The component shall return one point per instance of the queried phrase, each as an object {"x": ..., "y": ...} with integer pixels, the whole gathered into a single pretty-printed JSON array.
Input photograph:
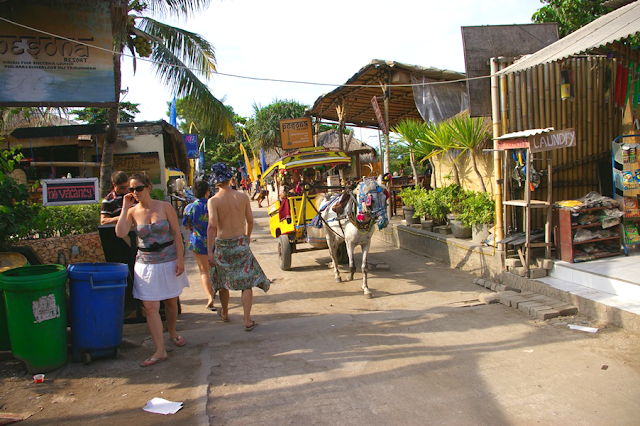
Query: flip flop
[
  {"x": 211, "y": 308},
  {"x": 252, "y": 326},
  {"x": 152, "y": 361},
  {"x": 179, "y": 341},
  {"x": 221, "y": 318}
]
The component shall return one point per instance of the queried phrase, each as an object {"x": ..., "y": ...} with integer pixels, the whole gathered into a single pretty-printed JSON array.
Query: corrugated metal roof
[
  {"x": 613, "y": 26},
  {"x": 524, "y": 134}
]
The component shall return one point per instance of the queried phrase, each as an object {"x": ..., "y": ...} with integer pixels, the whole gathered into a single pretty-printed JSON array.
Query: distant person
[
  {"x": 112, "y": 204},
  {"x": 258, "y": 188},
  {"x": 159, "y": 268},
  {"x": 233, "y": 266},
  {"x": 196, "y": 220}
]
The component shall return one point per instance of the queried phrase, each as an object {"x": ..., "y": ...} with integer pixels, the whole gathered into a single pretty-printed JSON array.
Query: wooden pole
[
  {"x": 530, "y": 108},
  {"x": 541, "y": 96},
  {"x": 534, "y": 95},
  {"x": 511, "y": 107},
  {"x": 497, "y": 170},
  {"x": 523, "y": 101},
  {"x": 589, "y": 151},
  {"x": 547, "y": 95},
  {"x": 518, "y": 103}
]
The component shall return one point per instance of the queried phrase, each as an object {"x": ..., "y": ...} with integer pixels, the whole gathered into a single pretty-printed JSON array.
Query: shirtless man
[{"x": 233, "y": 265}]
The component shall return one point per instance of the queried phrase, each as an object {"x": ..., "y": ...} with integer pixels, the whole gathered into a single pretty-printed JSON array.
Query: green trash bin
[{"x": 35, "y": 299}]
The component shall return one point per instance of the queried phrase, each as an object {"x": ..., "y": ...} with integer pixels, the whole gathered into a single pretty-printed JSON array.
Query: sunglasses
[{"x": 137, "y": 188}]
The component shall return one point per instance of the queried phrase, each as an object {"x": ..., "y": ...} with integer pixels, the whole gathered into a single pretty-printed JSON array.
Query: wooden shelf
[
  {"x": 617, "y": 237},
  {"x": 593, "y": 225},
  {"x": 532, "y": 204}
]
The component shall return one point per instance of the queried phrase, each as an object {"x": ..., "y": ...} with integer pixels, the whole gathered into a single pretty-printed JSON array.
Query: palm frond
[
  {"x": 190, "y": 48},
  {"x": 179, "y": 8},
  {"x": 183, "y": 82}
]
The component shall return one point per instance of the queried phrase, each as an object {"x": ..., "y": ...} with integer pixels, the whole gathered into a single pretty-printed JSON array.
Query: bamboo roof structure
[{"x": 355, "y": 96}]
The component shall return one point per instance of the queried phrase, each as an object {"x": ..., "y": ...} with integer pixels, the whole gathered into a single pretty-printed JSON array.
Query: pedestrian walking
[
  {"x": 196, "y": 220},
  {"x": 159, "y": 268},
  {"x": 233, "y": 265}
]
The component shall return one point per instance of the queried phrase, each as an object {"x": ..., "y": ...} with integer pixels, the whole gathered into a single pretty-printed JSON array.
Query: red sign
[
  {"x": 376, "y": 108},
  {"x": 63, "y": 192}
]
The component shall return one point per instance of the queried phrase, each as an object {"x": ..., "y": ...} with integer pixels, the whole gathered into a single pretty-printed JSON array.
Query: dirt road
[{"x": 323, "y": 354}]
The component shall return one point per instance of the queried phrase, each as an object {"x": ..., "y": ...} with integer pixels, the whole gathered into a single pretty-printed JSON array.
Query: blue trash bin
[{"x": 96, "y": 309}]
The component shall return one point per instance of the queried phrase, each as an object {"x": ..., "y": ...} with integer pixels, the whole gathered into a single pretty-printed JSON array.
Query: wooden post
[
  {"x": 511, "y": 108},
  {"x": 497, "y": 168}
]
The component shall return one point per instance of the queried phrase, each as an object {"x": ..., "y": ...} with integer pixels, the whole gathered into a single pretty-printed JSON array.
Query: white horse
[{"x": 352, "y": 218}]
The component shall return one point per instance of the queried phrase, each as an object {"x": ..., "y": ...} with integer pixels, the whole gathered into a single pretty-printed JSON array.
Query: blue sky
[{"x": 323, "y": 42}]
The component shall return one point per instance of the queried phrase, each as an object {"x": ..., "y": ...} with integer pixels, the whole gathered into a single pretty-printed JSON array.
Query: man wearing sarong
[{"x": 233, "y": 266}]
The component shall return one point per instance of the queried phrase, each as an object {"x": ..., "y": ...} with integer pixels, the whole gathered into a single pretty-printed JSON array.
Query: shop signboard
[
  {"x": 64, "y": 192},
  {"x": 376, "y": 109},
  {"x": 148, "y": 162},
  {"x": 56, "y": 54},
  {"x": 548, "y": 141},
  {"x": 296, "y": 133},
  {"x": 517, "y": 143}
]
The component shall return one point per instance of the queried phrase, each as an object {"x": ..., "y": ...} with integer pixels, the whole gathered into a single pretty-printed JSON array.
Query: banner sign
[
  {"x": 558, "y": 139},
  {"x": 64, "y": 192},
  {"x": 191, "y": 142},
  {"x": 66, "y": 69},
  {"x": 518, "y": 143},
  {"x": 296, "y": 133},
  {"x": 148, "y": 162},
  {"x": 376, "y": 109}
]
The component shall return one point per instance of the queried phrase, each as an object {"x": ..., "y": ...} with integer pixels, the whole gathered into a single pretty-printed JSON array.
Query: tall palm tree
[
  {"x": 178, "y": 56},
  {"x": 470, "y": 134}
]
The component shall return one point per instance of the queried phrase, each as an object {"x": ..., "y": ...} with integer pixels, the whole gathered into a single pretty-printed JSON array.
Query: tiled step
[{"x": 596, "y": 278}]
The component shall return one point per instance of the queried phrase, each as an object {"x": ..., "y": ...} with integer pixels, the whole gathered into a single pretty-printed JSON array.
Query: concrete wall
[{"x": 465, "y": 255}]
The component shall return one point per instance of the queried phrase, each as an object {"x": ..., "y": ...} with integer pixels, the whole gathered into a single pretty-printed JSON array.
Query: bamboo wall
[{"x": 531, "y": 100}]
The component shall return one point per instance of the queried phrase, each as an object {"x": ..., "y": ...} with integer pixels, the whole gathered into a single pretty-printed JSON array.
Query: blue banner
[{"x": 191, "y": 142}]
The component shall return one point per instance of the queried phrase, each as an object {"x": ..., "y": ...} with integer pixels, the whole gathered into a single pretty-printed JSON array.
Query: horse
[{"x": 352, "y": 218}]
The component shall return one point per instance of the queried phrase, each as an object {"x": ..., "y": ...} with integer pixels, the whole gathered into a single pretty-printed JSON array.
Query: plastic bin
[
  {"x": 96, "y": 309},
  {"x": 37, "y": 315},
  {"x": 8, "y": 260}
]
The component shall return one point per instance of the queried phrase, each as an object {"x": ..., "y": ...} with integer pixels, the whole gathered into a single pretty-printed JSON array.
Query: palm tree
[
  {"x": 470, "y": 135},
  {"x": 411, "y": 131},
  {"x": 178, "y": 56},
  {"x": 438, "y": 141}
]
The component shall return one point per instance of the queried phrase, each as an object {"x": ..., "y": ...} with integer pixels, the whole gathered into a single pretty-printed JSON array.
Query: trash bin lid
[{"x": 10, "y": 260}]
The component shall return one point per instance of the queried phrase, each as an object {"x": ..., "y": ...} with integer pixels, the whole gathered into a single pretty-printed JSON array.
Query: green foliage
[
  {"x": 66, "y": 220},
  {"x": 93, "y": 115},
  {"x": 411, "y": 195},
  {"x": 16, "y": 215},
  {"x": 439, "y": 202},
  {"x": 157, "y": 194},
  {"x": 569, "y": 14},
  {"x": 478, "y": 208},
  {"x": 264, "y": 127}
]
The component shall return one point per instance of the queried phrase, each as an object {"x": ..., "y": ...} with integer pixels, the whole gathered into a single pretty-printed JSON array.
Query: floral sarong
[{"x": 236, "y": 268}]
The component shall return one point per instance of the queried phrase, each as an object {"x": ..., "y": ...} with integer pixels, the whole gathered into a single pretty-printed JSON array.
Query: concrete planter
[
  {"x": 479, "y": 233},
  {"x": 408, "y": 215},
  {"x": 457, "y": 227}
]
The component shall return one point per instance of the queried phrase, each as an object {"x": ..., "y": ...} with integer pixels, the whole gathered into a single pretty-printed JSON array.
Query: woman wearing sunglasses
[{"x": 159, "y": 268}]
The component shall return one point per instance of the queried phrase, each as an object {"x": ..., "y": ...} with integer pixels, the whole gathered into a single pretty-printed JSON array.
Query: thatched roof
[{"x": 331, "y": 139}]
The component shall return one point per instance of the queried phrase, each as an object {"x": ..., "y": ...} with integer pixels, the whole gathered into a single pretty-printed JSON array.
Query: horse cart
[{"x": 297, "y": 179}]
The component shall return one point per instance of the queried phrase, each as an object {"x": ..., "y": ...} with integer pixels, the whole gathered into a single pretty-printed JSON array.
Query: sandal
[
  {"x": 179, "y": 341},
  {"x": 152, "y": 361},
  {"x": 221, "y": 317},
  {"x": 252, "y": 326}
]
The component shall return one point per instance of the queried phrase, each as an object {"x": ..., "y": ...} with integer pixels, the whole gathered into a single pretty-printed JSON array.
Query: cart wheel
[
  {"x": 284, "y": 250},
  {"x": 86, "y": 358},
  {"x": 342, "y": 255}
]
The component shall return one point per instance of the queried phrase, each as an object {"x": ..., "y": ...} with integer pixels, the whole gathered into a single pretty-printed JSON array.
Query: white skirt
[{"x": 157, "y": 281}]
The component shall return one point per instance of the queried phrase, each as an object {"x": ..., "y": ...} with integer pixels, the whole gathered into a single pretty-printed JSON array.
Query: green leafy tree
[
  {"x": 16, "y": 215},
  {"x": 263, "y": 127},
  {"x": 93, "y": 115},
  {"x": 179, "y": 58},
  {"x": 569, "y": 14},
  {"x": 470, "y": 135},
  {"x": 218, "y": 148}
]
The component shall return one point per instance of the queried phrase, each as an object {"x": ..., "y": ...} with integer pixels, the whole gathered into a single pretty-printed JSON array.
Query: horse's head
[{"x": 371, "y": 200}]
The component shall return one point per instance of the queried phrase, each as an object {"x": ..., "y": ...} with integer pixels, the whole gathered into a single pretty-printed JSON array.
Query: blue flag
[
  {"x": 173, "y": 119},
  {"x": 264, "y": 161}
]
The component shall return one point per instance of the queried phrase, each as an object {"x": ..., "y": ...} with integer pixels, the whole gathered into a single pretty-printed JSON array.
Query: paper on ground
[
  {"x": 583, "y": 328},
  {"x": 162, "y": 406}
]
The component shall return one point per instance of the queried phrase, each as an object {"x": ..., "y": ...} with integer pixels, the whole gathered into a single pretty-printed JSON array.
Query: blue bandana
[{"x": 220, "y": 172}]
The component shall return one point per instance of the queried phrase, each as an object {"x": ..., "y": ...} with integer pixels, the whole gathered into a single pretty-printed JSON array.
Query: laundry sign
[
  {"x": 45, "y": 309},
  {"x": 548, "y": 141}
]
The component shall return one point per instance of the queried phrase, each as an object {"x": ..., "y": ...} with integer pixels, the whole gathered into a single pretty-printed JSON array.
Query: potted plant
[
  {"x": 478, "y": 212},
  {"x": 453, "y": 197},
  {"x": 410, "y": 197},
  {"x": 432, "y": 206}
]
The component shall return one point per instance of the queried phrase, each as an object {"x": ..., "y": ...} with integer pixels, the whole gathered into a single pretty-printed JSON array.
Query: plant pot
[
  {"x": 408, "y": 215},
  {"x": 479, "y": 233},
  {"x": 457, "y": 227}
]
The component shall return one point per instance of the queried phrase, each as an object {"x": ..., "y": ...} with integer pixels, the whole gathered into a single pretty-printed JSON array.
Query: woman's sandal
[
  {"x": 152, "y": 361},
  {"x": 179, "y": 341}
]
